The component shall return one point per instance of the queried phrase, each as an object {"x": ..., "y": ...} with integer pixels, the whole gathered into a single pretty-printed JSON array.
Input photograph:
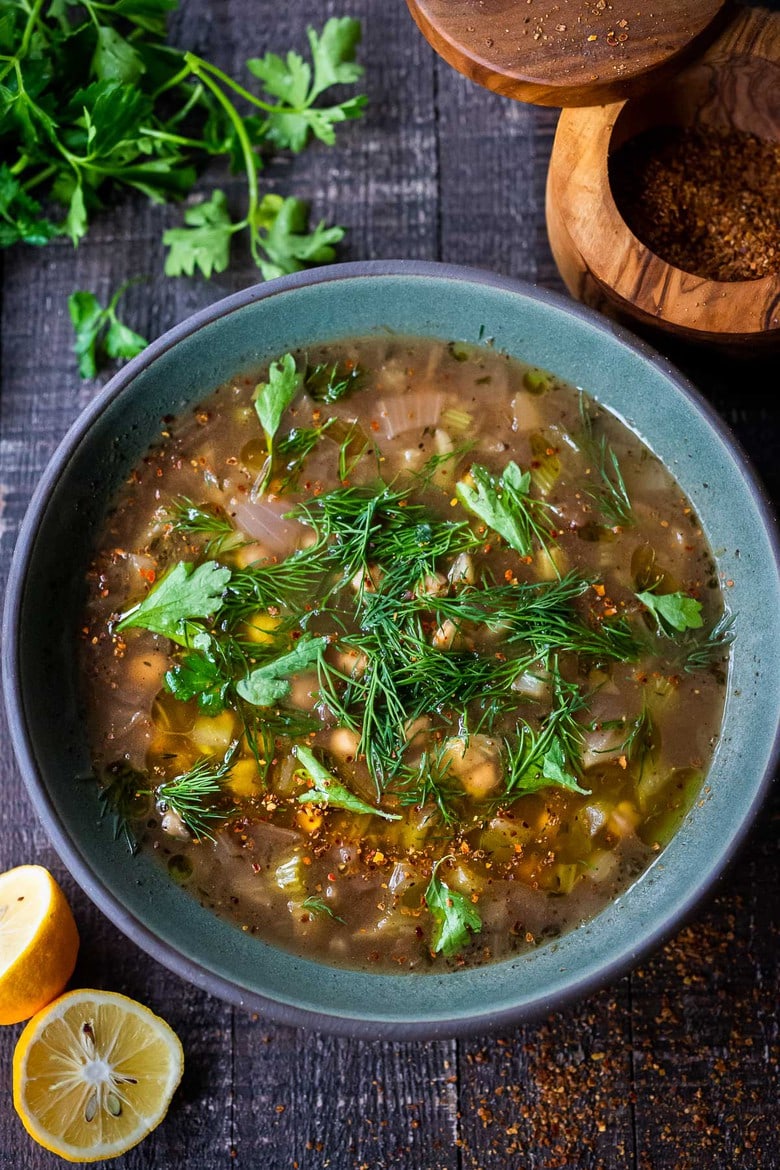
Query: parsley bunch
[{"x": 93, "y": 100}]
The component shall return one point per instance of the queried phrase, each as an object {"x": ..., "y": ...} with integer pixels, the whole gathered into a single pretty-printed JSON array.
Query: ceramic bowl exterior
[{"x": 239, "y": 334}]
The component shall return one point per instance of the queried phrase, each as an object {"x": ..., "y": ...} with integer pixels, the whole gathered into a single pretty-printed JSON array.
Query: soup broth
[{"x": 402, "y": 654}]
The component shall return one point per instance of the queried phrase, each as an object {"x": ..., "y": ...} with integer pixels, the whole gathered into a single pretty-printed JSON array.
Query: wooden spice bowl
[{"x": 733, "y": 86}]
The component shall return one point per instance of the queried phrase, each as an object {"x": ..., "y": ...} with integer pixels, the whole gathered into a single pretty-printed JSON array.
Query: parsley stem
[
  {"x": 172, "y": 82},
  {"x": 177, "y": 139},
  {"x": 246, "y": 148},
  {"x": 41, "y": 177},
  {"x": 198, "y": 65},
  {"x": 32, "y": 20}
]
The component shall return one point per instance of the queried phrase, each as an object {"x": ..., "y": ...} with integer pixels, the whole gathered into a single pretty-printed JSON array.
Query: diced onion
[
  {"x": 266, "y": 522},
  {"x": 411, "y": 412}
]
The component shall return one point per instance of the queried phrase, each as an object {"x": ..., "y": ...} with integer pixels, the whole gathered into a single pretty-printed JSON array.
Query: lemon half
[
  {"x": 38, "y": 942},
  {"x": 94, "y": 1073}
]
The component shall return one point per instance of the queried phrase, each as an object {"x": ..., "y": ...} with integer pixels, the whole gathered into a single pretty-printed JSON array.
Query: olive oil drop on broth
[{"x": 411, "y": 657}]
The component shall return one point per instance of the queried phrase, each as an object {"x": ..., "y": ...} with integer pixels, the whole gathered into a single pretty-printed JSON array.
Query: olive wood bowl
[{"x": 735, "y": 85}]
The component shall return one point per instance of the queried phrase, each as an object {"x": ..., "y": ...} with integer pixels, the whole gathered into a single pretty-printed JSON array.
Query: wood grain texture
[
  {"x": 673, "y": 1068},
  {"x": 567, "y": 52},
  {"x": 735, "y": 85}
]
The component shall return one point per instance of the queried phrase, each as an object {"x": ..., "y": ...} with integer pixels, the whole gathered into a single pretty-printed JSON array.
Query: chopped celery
[
  {"x": 457, "y": 420},
  {"x": 538, "y": 381},
  {"x": 545, "y": 464}
]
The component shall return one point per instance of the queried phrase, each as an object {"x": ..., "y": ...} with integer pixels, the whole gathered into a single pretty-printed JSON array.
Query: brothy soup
[{"x": 405, "y": 654}]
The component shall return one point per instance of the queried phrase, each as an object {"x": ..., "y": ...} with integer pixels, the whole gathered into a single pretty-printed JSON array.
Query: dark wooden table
[{"x": 672, "y": 1068}]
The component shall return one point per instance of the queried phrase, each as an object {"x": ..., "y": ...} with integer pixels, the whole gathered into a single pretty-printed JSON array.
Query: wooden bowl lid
[{"x": 567, "y": 52}]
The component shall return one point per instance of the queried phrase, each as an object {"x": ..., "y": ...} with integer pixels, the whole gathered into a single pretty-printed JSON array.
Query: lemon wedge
[
  {"x": 38, "y": 942},
  {"x": 94, "y": 1073}
]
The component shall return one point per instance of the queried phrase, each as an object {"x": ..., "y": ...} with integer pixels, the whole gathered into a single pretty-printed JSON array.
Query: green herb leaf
[
  {"x": 455, "y": 916},
  {"x": 291, "y": 80},
  {"x": 506, "y": 506},
  {"x": 100, "y": 331},
  {"x": 673, "y": 611},
  {"x": 317, "y": 905},
  {"x": 184, "y": 592},
  {"x": 205, "y": 243},
  {"x": 200, "y": 676},
  {"x": 330, "y": 383},
  {"x": 115, "y": 59},
  {"x": 191, "y": 795},
  {"x": 328, "y": 790},
  {"x": 87, "y": 316},
  {"x": 281, "y": 229},
  {"x": 270, "y": 683},
  {"x": 272, "y": 398},
  {"x": 20, "y": 215}
]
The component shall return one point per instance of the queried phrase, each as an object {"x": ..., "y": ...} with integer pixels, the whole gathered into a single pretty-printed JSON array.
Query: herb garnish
[
  {"x": 266, "y": 685},
  {"x": 327, "y": 789},
  {"x": 454, "y": 916},
  {"x": 673, "y": 612},
  {"x": 184, "y": 592},
  {"x": 99, "y": 330},
  {"x": 271, "y": 399},
  {"x": 506, "y": 506},
  {"x": 317, "y": 905},
  {"x": 190, "y": 794},
  {"x": 93, "y": 98}
]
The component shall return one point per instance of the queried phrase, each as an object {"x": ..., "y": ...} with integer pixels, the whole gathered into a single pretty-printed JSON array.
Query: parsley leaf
[
  {"x": 115, "y": 59},
  {"x": 673, "y": 611},
  {"x": 94, "y": 99},
  {"x": 204, "y": 243},
  {"x": 200, "y": 676},
  {"x": 268, "y": 684},
  {"x": 298, "y": 86},
  {"x": 454, "y": 916},
  {"x": 281, "y": 229},
  {"x": 505, "y": 505},
  {"x": 20, "y": 215},
  {"x": 548, "y": 770},
  {"x": 184, "y": 592},
  {"x": 272, "y": 398},
  {"x": 328, "y": 790},
  {"x": 100, "y": 331}
]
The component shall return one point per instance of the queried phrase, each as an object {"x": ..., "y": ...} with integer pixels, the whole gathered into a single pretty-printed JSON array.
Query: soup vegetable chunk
[{"x": 403, "y": 654}]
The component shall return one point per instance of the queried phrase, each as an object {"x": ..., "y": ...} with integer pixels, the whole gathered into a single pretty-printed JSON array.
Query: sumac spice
[{"x": 705, "y": 200}]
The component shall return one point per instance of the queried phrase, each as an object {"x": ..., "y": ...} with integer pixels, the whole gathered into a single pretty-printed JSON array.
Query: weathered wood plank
[{"x": 688, "y": 1077}]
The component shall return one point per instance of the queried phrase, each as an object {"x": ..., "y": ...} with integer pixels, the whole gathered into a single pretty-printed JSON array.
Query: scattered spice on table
[{"x": 705, "y": 200}]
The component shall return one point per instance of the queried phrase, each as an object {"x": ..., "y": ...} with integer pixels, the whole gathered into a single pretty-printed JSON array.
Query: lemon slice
[
  {"x": 94, "y": 1073},
  {"x": 38, "y": 942}
]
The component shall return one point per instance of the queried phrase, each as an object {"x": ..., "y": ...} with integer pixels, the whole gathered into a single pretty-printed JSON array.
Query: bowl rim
[{"x": 78, "y": 864}]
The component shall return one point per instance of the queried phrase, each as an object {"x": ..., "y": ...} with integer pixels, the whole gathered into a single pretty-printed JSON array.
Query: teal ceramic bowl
[{"x": 239, "y": 334}]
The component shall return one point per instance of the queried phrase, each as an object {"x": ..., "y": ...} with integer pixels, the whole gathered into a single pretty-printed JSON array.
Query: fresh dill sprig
[
  {"x": 204, "y": 520},
  {"x": 431, "y": 781},
  {"x": 316, "y": 905},
  {"x": 698, "y": 653},
  {"x": 551, "y": 754},
  {"x": 281, "y": 585},
  {"x": 121, "y": 788},
  {"x": 435, "y": 462},
  {"x": 190, "y": 795},
  {"x": 294, "y": 449},
  {"x": 612, "y": 496},
  {"x": 330, "y": 383},
  {"x": 354, "y": 445}
]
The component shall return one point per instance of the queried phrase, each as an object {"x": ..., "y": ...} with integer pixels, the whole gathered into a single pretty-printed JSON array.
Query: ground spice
[{"x": 704, "y": 200}]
